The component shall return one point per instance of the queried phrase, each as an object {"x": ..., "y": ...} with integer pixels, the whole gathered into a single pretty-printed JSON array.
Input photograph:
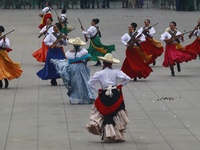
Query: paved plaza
[{"x": 164, "y": 111}]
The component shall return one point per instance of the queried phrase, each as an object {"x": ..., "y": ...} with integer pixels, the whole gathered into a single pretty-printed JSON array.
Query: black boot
[
  {"x": 135, "y": 79},
  {"x": 98, "y": 63},
  {"x": 53, "y": 82},
  {"x": 154, "y": 63},
  {"x": 178, "y": 67},
  {"x": 1, "y": 84},
  {"x": 172, "y": 71},
  {"x": 6, "y": 83}
]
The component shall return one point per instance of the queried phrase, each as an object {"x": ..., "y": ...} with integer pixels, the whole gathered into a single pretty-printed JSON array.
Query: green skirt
[
  {"x": 96, "y": 48},
  {"x": 64, "y": 29}
]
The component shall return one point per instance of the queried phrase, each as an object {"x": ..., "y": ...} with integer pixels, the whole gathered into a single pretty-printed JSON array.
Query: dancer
[
  {"x": 135, "y": 64},
  {"x": 40, "y": 54},
  {"x": 195, "y": 45},
  {"x": 96, "y": 48},
  {"x": 151, "y": 46},
  {"x": 46, "y": 14},
  {"x": 8, "y": 69},
  {"x": 175, "y": 53},
  {"x": 55, "y": 51},
  {"x": 75, "y": 74},
  {"x": 63, "y": 20},
  {"x": 109, "y": 116}
]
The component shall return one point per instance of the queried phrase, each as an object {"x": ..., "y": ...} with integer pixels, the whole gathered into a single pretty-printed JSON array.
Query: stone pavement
[{"x": 36, "y": 116}]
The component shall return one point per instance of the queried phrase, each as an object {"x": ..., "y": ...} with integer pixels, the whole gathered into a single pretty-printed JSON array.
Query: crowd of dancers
[{"x": 108, "y": 116}]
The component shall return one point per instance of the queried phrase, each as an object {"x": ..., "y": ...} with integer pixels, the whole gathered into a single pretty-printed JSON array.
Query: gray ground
[{"x": 37, "y": 116}]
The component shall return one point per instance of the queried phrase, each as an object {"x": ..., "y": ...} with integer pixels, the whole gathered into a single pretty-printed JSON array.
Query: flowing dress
[
  {"x": 40, "y": 54},
  {"x": 135, "y": 63},
  {"x": 108, "y": 117},
  {"x": 49, "y": 70},
  {"x": 175, "y": 52},
  {"x": 75, "y": 75},
  {"x": 195, "y": 45},
  {"x": 96, "y": 48},
  {"x": 8, "y": 69},
  {"x": 151, "y": 46},
  {"x": 44, "y": 20}
]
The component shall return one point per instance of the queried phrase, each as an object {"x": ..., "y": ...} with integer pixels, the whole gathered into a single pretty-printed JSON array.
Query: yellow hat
[
  {"x": 76, "y": 41},
  {"x": 109, "y": 59}
]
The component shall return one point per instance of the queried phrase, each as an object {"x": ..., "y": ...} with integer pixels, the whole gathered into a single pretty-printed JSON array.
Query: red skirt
[
  {"x": 134, "y": 64},
  {"x": 152, "y": 47},
  {"x": 44, "y": 20},
  {"x": 40, "y": 54},
  {"x": 194, "y": 46},
  {"x": 175, "y": 53}
]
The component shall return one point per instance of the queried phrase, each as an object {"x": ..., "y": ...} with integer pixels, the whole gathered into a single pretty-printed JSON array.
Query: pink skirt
[{"x": 175, "y": 53}]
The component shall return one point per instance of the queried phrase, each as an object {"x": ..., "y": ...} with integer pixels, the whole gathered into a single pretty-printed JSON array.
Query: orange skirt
[
  {"x": 8, "y": 69},
  {"x": 40, "y": 54}
]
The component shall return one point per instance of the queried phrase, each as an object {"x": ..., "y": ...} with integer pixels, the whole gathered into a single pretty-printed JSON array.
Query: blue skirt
[
  {"x": 49, "y": 71},
  {"x": 75, "y": 78}
]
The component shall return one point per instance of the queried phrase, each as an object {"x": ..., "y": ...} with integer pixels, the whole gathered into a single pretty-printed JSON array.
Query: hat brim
[
  {"x": 115, "y": 61},
  {"x": 71, "y": 41}
]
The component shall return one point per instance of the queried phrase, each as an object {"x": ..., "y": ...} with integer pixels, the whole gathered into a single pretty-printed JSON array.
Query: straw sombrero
[
  {"x": 76, "y": 41},
  {"x": 109, "y": 59}
]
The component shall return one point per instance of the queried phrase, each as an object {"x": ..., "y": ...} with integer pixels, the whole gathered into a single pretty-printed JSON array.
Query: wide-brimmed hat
[
  {"x": 76, "y": 41},
  {"x": 109, "y": 58}
]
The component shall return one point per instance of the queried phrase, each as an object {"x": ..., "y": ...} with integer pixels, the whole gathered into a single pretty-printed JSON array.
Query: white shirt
[
  {"x": 50, "y": 38},
  {"x": 151, "y": 31},
  {"x": 71, "y": 55},
  {"x": 92, "y": 31},
  {"x": 63, "y": 17},
  {"x": 126, "y": 38},
  {"x": 50, "y": 30},
  {"x": 196, "y": 32},
  {"x": 5, "y": 44},
  {"x": 166, "y": 36},
  {"x": 108, "y": 77}
]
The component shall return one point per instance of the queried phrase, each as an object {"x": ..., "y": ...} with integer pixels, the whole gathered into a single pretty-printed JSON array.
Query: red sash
[{"x": 105, "y": 110}]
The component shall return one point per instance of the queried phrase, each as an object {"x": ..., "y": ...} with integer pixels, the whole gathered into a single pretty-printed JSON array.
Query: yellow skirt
[{"x": 8, "y": 69}]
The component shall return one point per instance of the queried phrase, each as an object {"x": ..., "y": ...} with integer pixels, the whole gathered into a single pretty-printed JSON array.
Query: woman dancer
[
  {"x": 195, "y": 45},
  {"x": 96, "y": 48},
  {"x": 40, "y": 54},
  {"x": 46, "y": 14},
  {"x": 135, "y": 64},
  {"x": 109, "y": 116},
  {"x": 175, "y": 53},
  {"x": 55, "y": 51},
  {"x": 8, "y": 69},
  {"x": 75, "y": 74},
  {"x": 150, "y": 46}
]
